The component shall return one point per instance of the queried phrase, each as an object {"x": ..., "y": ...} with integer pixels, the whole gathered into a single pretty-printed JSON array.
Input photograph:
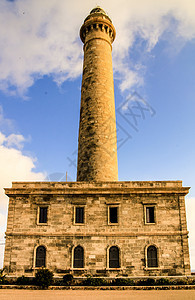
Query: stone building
[{"x": 97, "y": 225}]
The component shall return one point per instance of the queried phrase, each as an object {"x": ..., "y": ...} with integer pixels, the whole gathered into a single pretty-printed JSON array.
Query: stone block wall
[{"x": 131, "y": 234}]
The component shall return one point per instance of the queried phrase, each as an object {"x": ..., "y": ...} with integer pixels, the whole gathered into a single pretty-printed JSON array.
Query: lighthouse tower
[{"x": 97, "y": 150}]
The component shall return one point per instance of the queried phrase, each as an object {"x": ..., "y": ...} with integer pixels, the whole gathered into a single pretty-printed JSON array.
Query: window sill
[
  {"x": 77, "y": 269},
  {"x": 149, "y": 223},
  {"x": 149, "y": 203},
  {"x": 79, "y": 224},
  {"x": 152, "y": 268},
  {"x": 114, "y": 224},
  {"x": 113, "y": 269},
  {"x": 42, "y": 224}
]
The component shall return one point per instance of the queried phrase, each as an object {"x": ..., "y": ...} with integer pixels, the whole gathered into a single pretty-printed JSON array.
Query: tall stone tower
[{"x": 97, "y": 150}]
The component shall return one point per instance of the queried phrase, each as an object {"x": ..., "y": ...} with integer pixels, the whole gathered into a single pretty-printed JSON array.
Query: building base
[{"x": 104, "y": 229}]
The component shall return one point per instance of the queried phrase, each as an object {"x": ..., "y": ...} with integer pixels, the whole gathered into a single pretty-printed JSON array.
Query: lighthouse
[{"x": 97, "y": 150}]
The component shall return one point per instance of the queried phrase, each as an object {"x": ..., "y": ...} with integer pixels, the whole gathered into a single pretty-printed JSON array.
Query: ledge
[
  {"x": 92, "y": 234},
  {"x": 153, "y": 268},
  {"x": 165, "y": 287},
  {"x": 83, "y": 188},
  {"x": 169, "y": 183}
]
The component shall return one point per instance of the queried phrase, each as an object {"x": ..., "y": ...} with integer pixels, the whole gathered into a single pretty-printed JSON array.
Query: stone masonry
[
  {"x": 97, "y": 151},
  {"x": 132, "y": 235},
  {"x": 97, "y": 225}
]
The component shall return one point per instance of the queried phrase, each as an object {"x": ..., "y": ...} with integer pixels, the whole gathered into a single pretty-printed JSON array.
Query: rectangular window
[
  {"x": 113, "y": 214},
  {"x": 149, "y": 214},
  {"x": 79, "y": 215},
  {"x": 43, "y": 214}
]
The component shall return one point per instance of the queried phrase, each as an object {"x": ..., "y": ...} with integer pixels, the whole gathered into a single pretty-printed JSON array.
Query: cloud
[
  {"x": 41, "y": 37},
  {"x": 149, "y": 21},
  {"x": 15, "y": 166},
  {"x": 13, "y": 140}
]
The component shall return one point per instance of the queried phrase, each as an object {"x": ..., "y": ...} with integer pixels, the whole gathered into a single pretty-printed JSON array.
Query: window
[
  {"x": 113, "y": 214},
  {"x": 79, "y": 215},
  {"x": 40, "y": 257},
  {"x": 43, "y": 215},
  {"x": 149, "y": 214},
  {"x": 152, "y": 257},
  {"x": 114, "y": 257},
  {"x": 78, "y": 257}
]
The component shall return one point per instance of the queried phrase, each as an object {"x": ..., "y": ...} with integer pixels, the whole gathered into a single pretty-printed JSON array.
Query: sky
[{"x": 40, "y": 83}]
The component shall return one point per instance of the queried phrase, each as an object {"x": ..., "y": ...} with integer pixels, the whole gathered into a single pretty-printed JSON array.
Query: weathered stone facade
[
  {"x": 97, "y": 225},
  {"x": 132, "y": 235}
]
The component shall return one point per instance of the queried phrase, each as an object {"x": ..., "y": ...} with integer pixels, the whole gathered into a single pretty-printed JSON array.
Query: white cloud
[
  {"x": 15, "y": 166},
  {"x": 2, "y": 138},
  {"x": 37, "y": 41},
  {"x": 150, "y": 20},
  {"x": 41, "y": 37},
  {"x": 12, "y": 140},
  {"x": 15, "y": 140}
]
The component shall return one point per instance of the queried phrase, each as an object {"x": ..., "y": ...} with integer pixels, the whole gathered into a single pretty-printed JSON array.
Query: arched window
[
  {"x": 78, "y": 257},
  {"x": 40, "y": 257},
  {"x": 114, "y": 257},
  {"x": 152, "y": 260}
]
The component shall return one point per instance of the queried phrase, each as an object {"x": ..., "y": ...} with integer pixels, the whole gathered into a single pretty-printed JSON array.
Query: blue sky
[{"x": 40, "y": 81}]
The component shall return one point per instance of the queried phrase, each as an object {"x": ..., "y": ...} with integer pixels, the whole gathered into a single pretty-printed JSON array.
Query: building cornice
[{"x": 99, "y": 188}]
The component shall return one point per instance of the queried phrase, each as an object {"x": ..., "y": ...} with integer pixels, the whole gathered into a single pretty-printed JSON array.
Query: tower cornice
[{"x": 97, "y": 23}]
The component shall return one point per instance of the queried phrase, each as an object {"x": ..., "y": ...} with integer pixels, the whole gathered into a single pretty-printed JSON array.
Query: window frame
[
  {"x": 35, "y": 257},
  {"x": 113, "y": 206},
  {"x": 38, "y": 214},
  {"x": 157, "y": 258},
  {"x": 145, "y": 214},
  {"x": 74, "y": 212},
  {"x": 73, "y": 258},
  {"x": 108, "y": 258}
]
